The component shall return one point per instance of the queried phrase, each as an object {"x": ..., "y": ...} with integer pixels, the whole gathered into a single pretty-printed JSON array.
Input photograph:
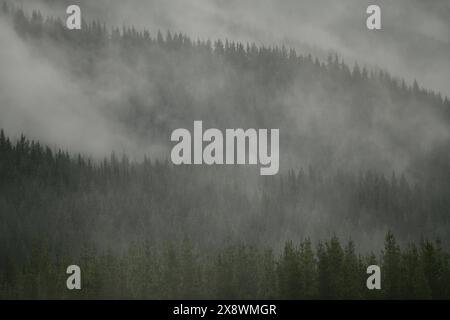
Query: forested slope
[{"x": 361, "y": 153}]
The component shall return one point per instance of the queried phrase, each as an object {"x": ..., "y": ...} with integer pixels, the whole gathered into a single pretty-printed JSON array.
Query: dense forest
[
  {"x": 364, "y": 156},
  {"x": 177, "y": 271},
  {"x": 135, "y": 237}
]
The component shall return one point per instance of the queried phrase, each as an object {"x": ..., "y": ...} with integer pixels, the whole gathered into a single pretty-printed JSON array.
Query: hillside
[{"x": 86, "y": 118}]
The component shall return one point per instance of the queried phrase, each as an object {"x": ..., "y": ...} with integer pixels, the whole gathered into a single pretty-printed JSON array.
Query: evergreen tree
[{"x": 391, "y": 268}]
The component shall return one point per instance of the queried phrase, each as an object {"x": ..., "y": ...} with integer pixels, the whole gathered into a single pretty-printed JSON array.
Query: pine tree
[
  {"x": 289, "y": 273},
  {"x": 413, "y": 282},
  {"x": 307, "y": 271},
  {"x": 330, "y": 269},
  {"x": 267, "y": 287},
  {"x": 391, "y": 268},
  {"x": 352, "y": 279},
  {"x": 436, "y": 269}
]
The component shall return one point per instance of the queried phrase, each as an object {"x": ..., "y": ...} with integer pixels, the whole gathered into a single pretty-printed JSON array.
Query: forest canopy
[{"x": 84, "y": 170}]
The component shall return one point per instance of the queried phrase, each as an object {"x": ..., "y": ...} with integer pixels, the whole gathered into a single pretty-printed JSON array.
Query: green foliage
[
  {"x": 179, "y": 271},
  {"x": 392, "y": 267}
]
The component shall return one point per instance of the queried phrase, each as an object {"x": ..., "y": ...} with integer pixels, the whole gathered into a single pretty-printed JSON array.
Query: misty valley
[{"x": 345, "y": 166}]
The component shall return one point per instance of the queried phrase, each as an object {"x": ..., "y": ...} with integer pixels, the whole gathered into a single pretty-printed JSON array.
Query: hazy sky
[{"x": 413, "y": 42}]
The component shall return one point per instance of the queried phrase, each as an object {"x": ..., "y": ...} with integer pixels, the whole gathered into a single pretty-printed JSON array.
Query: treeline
[
  {"x": 179, "y": 271},
  {"x": 332, "y": 115},
  {"x": 275, "y": 65},
  {"x": 70, "y": 197}
]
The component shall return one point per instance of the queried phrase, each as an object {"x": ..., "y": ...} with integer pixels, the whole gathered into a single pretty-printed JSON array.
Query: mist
[
  {"x": 109, "y": 109},
  {"x": 126, "y": 94},
  {"x": 413, "y": 42},
  {"x": 41, "y": 97}
]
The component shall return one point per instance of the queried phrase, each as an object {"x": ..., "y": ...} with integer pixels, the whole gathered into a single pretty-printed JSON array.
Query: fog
[
  {"x": 413, "y": 42},
  {"x": 41, "y": 96},
  {"x": 129, "y": 97},
  {"x": 41, "y": 99}
]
